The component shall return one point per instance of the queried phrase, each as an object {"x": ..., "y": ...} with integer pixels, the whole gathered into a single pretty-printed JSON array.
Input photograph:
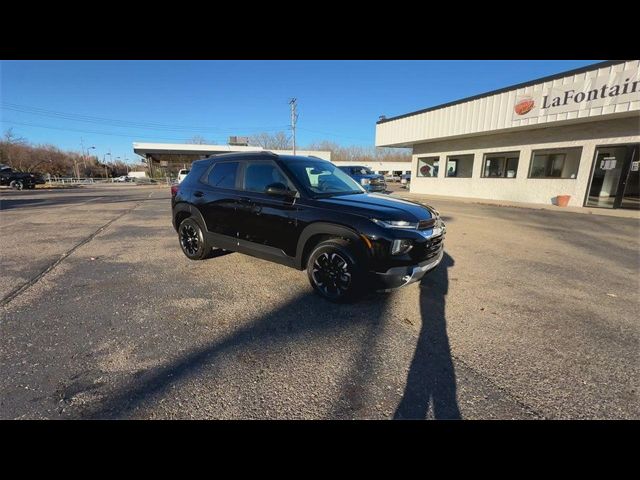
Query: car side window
[
  {"x": 259, "y": 175},
  {"x": 223, "y": 175}
]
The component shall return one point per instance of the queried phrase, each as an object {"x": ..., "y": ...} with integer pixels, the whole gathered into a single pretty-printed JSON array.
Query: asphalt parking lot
[{"x": 533, "y": 314}]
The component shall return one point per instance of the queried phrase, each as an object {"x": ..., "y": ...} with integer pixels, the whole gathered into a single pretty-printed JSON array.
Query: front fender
[{"x": 323, "y": 228}]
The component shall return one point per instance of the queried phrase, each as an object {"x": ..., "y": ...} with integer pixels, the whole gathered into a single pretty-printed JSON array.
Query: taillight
[{"x": 174, "y": 190}]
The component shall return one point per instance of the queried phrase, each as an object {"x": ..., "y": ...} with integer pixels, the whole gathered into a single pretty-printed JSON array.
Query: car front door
[
  {"x": 216, "y": 196},
  {"x": 267, "y": 222}
]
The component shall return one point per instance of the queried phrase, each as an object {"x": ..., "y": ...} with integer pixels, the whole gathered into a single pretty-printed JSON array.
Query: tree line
[
  {"x": 22, "y": 156},
  {"x": 353, "y": 153}
]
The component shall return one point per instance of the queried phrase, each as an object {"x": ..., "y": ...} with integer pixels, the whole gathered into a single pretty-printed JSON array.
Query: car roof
[{"x": 261, "y": 155}]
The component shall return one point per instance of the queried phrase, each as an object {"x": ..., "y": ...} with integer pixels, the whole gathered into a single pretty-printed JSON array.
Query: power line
[
  {"x": 86, "y": 131},
  {"x": 125, "y": 123}
]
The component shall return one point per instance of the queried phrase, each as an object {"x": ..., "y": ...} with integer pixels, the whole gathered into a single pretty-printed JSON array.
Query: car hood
[{"x": 379, "y": 206}]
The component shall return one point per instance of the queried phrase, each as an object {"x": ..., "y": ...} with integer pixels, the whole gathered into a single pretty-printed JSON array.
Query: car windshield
[
  {"x": 362, "y": 171},
  {"x": 323, "y": 179}
]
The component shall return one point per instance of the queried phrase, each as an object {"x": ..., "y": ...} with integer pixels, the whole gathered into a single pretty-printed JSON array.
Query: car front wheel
[
  {"x": 334, "y": 271},
  {"x": 16, "y": 184}
]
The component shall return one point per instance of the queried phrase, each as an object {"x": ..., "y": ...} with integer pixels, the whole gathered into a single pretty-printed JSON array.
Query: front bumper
[
  {"x": 376, "y": 188},
  {"x": 397, "y": 277}
]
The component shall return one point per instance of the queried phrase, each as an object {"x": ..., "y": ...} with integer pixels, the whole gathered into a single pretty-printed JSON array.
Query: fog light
[{"x": 398, "y": 247}]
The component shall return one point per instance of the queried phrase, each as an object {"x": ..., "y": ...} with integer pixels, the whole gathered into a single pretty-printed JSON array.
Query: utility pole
[{"x": 294, "y": 119}]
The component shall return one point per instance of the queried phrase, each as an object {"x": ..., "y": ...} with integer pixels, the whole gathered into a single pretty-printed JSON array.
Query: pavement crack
[
  {"x": 26, "y": 285},
  {"x": 502, "y": 390}
]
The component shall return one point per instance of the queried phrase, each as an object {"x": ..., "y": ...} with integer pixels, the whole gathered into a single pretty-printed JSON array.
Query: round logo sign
[{"x": 524, "y": 105}]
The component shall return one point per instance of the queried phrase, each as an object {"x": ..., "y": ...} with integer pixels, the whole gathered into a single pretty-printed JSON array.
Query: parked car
[
  {"x": 19, "y": 180},
  {"x": 123, "y": 178},
  {"x": 182, "y": 174},
  {"x": 371, "y": 182},
  {"x": 305, "y": 213}
]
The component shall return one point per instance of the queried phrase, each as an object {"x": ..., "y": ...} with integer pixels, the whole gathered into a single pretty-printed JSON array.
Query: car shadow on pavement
[{"x": 431, "y": 381}]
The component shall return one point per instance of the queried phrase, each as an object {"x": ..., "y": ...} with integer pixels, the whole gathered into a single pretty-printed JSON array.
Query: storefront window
[
  {"x": 501, "y": 165},
  {"x": 556, "y": 163},
  {"x": 460, "y": 166},
  {"x": 428, "y": 166}
]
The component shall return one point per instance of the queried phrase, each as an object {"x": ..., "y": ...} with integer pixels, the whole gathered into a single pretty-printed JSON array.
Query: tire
[
  {"x": 16, "y": 184},
  {"x": 192, "y": 240},
  {"x": 335, "y": 271}
]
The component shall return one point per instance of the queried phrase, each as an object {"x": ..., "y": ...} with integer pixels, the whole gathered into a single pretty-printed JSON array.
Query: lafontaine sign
[{"x": 619, "y": 87}]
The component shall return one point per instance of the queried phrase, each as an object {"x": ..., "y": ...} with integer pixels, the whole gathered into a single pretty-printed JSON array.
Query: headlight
[
  {"x": 395, "y": 224},
  {"x": 365, "y": 181},
  {"x": 398, "y": 247}
]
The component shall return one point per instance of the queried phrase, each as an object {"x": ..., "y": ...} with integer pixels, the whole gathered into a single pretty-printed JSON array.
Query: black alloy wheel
[
  {"x": 192, "y": 240},
  {"x": 334, "y": 271}
]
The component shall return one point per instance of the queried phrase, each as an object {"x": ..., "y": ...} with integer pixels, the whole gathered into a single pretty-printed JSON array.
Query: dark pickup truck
[{"x": 19, "y": 180}]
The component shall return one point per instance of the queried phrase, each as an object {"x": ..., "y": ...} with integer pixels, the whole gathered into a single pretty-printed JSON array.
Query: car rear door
[{"x": 217, "y": 196}]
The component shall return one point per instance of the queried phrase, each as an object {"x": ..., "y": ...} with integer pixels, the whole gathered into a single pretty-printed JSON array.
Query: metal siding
[{"x": 490, "y": 113}]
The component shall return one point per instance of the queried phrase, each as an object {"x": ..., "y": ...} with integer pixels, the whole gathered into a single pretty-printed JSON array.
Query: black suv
[
  {"x": 304, "y": 212},
  {"x": 19, "y": 180}
]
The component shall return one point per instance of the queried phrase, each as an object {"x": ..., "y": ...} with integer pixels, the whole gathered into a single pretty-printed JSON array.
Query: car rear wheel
[
  {"x": 193, "y": 241},
  {"x": 16, "y": 184},
  {"x": 335, "y": 272}
]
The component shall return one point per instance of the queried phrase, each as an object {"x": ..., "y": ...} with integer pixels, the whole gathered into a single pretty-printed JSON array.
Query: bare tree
[
  {"x": 12, "y": 138},
  {"x": 277, "y": 141},
  {"x": 197, "y": 140},
  {"x": 356, "y": 153}
]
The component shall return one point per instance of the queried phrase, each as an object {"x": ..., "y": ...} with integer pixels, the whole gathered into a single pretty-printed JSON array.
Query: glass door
[
  {"x": 631, "y": 188},
  {"x": 611, "y": 176}
]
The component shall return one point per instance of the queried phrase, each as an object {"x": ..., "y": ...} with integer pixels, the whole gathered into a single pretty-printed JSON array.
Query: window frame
[
  {"x": 550, "y": 151},
  {"x": 245, "y": 165},
  {"x": 456, "y": 158},
  {"x": 506, "y": 155},
  {"x": 427, "y": 158}
]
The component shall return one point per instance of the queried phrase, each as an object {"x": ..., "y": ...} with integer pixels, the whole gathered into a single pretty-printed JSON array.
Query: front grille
[
  {"x": 426, "y": 250},
  {"x": 425, "y": 224}
]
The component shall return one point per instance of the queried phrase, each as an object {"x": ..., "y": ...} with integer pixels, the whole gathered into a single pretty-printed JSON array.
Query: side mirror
[{"x": 280, "y": 190}]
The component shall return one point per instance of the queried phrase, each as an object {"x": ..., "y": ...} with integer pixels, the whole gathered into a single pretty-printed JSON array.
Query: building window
[
  {"x": 460, "y": 166},
  {"x": 555, "y": 163},
  {"x": 501, "y": 165},
  {"x": 428, "y": 166}
]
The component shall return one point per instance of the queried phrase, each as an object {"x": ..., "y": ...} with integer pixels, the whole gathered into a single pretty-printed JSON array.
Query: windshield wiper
[{"x": 333, "y": 194}]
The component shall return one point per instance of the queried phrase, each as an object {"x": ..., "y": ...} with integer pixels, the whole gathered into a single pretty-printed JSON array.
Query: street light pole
[
  {"x": 84, "y": 159},
  {"x": 106, "y": 173},
  {"x": 294, "y": 119}
]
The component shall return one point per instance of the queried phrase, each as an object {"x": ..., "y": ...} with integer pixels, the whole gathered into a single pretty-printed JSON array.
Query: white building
[
  {"x": 180, "y": 155},
  {"x": 384, "y": 168},
  {"x": 576, "y": 133}
]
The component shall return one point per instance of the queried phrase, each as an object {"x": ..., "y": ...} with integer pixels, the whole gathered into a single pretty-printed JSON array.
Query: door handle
[{"x": 198, "y": 194}]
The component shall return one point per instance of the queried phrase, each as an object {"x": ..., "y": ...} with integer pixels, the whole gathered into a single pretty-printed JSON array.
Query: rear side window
[
  {"x": 223, "y": 175},
  {"x": 258, "y": 176},
  {"x": 196, "y": 171}
]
